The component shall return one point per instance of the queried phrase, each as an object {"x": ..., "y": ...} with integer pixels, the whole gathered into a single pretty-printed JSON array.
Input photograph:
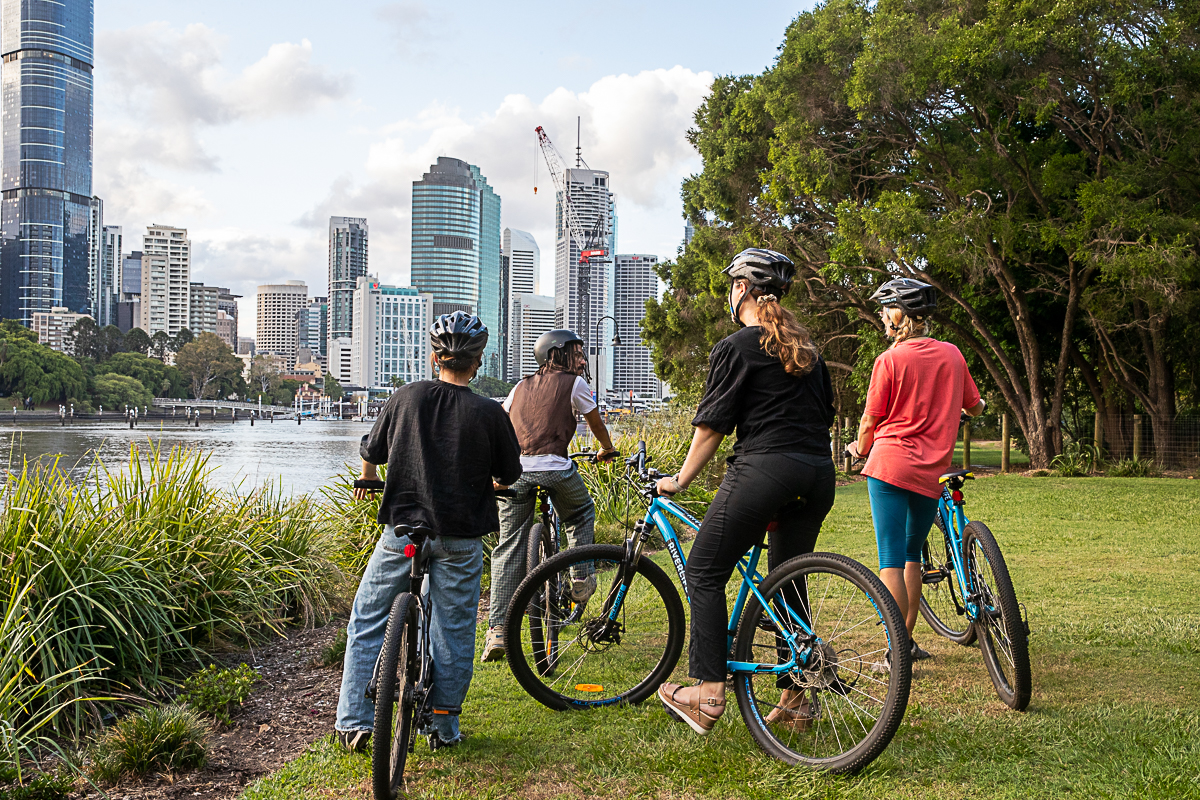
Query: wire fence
[{"x": 1171, "y": 442}]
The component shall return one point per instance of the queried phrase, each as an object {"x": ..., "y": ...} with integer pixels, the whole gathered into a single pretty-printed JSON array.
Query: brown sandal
[
  {"x": 696, "y": 713},
  {"x": 793, "y": 712}
]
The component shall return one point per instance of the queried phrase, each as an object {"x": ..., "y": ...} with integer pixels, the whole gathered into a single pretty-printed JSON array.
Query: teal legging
[{"x": 902, "y": 521}]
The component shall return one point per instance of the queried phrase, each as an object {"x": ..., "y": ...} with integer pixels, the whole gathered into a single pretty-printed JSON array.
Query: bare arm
[
  {"x": 368, "y": 473},
  {"x": 977, "y": 409},
  {"x": 866, "y": 436},
  {"x": 600, "y": 431},
  {"x": 705, "y": 442}
]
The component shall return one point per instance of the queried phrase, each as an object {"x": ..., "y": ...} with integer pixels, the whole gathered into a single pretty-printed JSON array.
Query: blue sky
[{"x": 250, "y": 123}]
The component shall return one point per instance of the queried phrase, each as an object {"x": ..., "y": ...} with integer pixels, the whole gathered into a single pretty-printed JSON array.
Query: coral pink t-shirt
[{"x": 918, "y": 388}]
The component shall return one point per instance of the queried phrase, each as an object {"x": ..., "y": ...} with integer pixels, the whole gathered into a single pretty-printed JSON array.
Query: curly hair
[{"x": 783, "y": 336}]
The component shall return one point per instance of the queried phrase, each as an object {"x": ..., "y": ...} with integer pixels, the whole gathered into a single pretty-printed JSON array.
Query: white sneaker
[
  {"x": 583, "y": 589},
  {"x": 493, "y": 645}
]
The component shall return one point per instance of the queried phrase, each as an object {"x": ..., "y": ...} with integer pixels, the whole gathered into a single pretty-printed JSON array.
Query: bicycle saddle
[
  {"x": 414, "y": 532},
  {"x": 958, "y": 473}
]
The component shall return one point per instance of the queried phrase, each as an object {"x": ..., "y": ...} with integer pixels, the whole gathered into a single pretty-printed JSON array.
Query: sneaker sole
[{"x": 495, "y": 654}]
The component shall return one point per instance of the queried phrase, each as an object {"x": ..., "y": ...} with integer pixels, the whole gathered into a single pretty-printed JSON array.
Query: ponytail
[{"x": 783, "y": 336}]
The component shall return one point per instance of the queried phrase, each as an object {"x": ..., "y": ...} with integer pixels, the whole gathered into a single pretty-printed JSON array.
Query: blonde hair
[
  {"x": 783, "y": 336},
  {"x": 909, "y": 327}
]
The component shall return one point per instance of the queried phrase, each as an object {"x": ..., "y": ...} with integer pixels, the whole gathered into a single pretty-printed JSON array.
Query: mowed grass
[{"x": 1109, "y": 570}]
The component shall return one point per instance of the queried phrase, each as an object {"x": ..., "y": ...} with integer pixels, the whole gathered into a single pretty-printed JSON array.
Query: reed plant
[{"x": 115, "y": 582}]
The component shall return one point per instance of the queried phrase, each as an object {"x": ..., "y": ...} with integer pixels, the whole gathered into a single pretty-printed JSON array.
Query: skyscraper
[
  {"x": 166, "y": 280},
  {"x": 202, "y": 308},
  {"x": 347, "y": 263},
  {"x": 634, "y": 282},
  {"x": 532, "y": 315},
  {"x": 595, "y": 206},
  {"x": 46, "y": 164},
  {"x": 277, "y": 305},
  {"x": 95, "y": 258},
  {"x": 456, "y": 247},
  {"x": 111, "y": 258},
  {"x": 391, "y": 339},
  {"x": 524, "y": 264}
]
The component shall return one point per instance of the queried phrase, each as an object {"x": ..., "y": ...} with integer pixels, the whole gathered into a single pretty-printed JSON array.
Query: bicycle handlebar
[{"x": 370, "y": 486}]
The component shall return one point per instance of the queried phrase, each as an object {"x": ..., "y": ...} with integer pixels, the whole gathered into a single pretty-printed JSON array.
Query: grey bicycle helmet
[
  {"x": 765, "y": 269},
  {"x": 552, "y": 340},
  {"x": 911, "y": 296},
  {"x": 457, "y": 335}
]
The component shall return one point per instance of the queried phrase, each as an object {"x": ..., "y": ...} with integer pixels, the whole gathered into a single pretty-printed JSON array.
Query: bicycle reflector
[
  {"x": 956, "y": 494},
  {"x": 410, "y": 550},
  {"x": 589, "y": 687}
]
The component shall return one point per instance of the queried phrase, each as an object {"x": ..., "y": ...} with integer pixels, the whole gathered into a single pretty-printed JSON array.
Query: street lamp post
[{"x": 616, "y": 342}]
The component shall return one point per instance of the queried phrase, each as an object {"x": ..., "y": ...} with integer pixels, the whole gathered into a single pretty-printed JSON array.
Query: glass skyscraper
[
  {"x": 347, "y": 263},
  {"x": 456, "y": 248},
  {"x": 46, "y": 130}
]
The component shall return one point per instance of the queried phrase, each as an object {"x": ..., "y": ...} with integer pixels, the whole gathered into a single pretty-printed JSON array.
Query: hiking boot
[
  {"x": 355, "y": 741},
  {"x": 493, "y": 645},
  {"x": 700, "y": 714},
  {"x": 919, "y": 653},
  {"x": 583, "y": 589}
]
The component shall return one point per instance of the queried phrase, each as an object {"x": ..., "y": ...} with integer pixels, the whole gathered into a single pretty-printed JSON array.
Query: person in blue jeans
[{"x": 444, "y": 446}]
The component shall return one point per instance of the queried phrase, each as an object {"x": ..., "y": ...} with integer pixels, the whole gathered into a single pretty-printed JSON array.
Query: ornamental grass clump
[
  {"x": 124, "y": 576},
  {"x": 155, "y": 739}
]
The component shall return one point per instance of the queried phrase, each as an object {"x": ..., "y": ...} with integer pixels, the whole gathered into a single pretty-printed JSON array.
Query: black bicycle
[{"x": 401, "y": 685}]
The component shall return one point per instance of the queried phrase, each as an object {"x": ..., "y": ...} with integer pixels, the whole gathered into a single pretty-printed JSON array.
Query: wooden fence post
[
  {"x": 1098, "y": 433},
  {"x": 966, "y": 437},
  {"x": 837, "y": 440},
  {"x": 1137, "y": 436},
  {"x": 846, "y": 460},
  {"x": 1005, "y": 442}
]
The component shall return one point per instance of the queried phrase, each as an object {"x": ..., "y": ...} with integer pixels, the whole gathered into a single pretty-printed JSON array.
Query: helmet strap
[{"x": 735, "y": 311}]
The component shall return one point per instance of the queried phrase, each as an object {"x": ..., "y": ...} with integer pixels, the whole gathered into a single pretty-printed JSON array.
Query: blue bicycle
[
  {"x": 819, "y": 654},
  {"x": 968, "y": 594}
]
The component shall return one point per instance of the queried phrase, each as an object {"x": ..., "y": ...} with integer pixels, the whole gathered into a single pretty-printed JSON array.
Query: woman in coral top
[{"x": 907, "y": 435}]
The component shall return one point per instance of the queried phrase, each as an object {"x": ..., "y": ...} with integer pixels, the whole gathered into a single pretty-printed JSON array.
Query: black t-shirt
[
  {"x": 443, "y": 445},
  {"x": 749, "y": 391}
]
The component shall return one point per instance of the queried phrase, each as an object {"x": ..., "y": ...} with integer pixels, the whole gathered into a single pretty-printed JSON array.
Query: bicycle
[
  {"x": 967, "y": 579},
  {"x": 402, "y": 681},
  {"x": 847, "y": 651}
]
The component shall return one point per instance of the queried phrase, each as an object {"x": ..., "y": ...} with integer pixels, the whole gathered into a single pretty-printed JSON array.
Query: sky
[{"x": 251, "y": 123}]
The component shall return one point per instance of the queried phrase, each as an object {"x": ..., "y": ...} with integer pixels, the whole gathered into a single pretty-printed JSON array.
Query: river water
[{"x": 301, "y": 457}]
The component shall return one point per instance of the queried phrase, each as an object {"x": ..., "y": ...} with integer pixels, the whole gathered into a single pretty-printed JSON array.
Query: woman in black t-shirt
[{"x": 768, "y": 383}]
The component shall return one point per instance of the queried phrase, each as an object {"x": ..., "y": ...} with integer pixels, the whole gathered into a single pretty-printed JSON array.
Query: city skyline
[{"x": 283, "y": 120}]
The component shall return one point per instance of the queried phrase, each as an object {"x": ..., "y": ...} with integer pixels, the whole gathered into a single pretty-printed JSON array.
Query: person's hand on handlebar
[
  {"x": 607, "y": 454},
  {"x": 669, "y": 485},
  {"x": 368, "y": 474},
  {"x": 497, "y": 487},
  {"x": 852, "y": 451}
]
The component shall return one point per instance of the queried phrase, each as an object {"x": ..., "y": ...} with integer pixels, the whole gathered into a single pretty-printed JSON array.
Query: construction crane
[{"x": 591, "y": 241}]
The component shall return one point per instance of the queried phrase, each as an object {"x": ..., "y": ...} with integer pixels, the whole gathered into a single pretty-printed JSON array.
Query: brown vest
[{"x": 542, "y": 414}]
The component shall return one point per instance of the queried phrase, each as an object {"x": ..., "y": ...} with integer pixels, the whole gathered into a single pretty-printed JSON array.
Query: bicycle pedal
[{"x": 1024, "y": 619}]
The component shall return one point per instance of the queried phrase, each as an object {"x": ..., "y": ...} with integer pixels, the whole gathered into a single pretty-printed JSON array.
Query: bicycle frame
[{"x": 954, "y": 523}]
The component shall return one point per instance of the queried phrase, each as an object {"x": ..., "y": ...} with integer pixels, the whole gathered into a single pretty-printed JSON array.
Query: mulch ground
[{"x": 293, "y": 704}]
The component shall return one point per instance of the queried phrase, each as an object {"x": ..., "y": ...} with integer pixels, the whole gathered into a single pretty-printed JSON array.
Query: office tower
[
  {"x": 524, "y": 263},
  {"x": 391, "y": 334},
  {"x": 110, "y": 275},
  {"x": 227, "y": 330},
  {"x": 532, "y": 315},
  {"x": 46, "y": 129},
  {"x": 689, "y": 230},
  {"x": 202, "y": 308},
  {"x": 339, "y": 358},
  {"x": 95, "y": 258},
  {"x": 166, "y": 280},
  {"x": 347, "y": 263},
  {"x": 456, "y": 247},
  {"x": 312, "y": 325},
  {"x": 128, "y": 311},
  {"x": 634, "y": 282},
  {"x": 595, "y": 207},
  {"x": 245, "y": 345},
  {"x": 277, "y": 305},
  {"x": 52, "y": 326},
  {"x": 227, "y": 302}
]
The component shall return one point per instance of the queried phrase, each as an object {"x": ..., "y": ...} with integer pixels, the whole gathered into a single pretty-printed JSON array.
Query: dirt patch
[{"x": 293, "y": 705}]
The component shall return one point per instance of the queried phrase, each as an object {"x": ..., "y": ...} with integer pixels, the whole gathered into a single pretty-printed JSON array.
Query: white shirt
[{"x": 581, "y": 403}]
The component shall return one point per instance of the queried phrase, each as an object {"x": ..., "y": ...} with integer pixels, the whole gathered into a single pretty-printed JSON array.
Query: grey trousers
[{"x": 575, "y": 509}]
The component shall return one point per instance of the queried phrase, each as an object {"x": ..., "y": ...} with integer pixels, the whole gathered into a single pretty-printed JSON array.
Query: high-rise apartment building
[
  {"x": 277, "y": 305},
  {"x": 339, "y": 358},
  {"x": 634, "y": 282},
  {"x": 52, "y": 326},
  {"x": 46, "y": 155},
  {"x": 347, "y": 263},
  {"x": 532, "y": 315},
  {"x": 582, "y": 294},
  {"x": 312, "y": 326},
  {"x": 524, "y": 263},
  {"x": 202, "y": 308},
  {"x": 128, "y": 307},
  {"x": 391, "y": 334},
  {"x": 111, "y": 256},
  {"x": 227, "y": 330},
  {"x": 95, "y": 258},
  {"x": 227, "y": 302},
  {"x": 456, "y": 247},
  {"x": 166, "y": 280}
]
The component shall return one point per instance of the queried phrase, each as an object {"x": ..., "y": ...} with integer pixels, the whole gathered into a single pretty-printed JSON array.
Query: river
[{"x": 302, "y": 457}]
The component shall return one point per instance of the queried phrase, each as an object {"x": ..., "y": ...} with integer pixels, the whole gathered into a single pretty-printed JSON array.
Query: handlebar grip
[{"x": 370, "y": 486}]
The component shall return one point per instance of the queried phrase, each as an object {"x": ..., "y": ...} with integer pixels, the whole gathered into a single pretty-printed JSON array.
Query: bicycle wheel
[
  {"x": 599, "y": 661},
  {"x": 854, "y": 675},
  {"x": 543, "y": 626},
  {"x": 1003, "y": 637},
  {"x": 941, "y": 595},
  {"x": 396, "y": 672}
]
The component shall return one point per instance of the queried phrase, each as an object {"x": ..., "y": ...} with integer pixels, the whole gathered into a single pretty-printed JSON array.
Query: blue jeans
[
  {"x": 902, "y": 521},
  {"x": 451, "y": 589}
]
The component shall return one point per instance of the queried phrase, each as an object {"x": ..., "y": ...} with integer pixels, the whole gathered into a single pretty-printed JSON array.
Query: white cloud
[
  {"x": 412, "y": 25},
  {"x": 634, "y": 126}
]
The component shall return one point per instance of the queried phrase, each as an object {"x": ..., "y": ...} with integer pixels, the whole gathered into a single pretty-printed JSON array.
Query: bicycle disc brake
[{"x": 598, "y": 634}]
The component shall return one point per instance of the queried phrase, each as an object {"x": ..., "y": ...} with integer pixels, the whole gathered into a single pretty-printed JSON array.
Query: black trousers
[{"x": 797, "y": 487}]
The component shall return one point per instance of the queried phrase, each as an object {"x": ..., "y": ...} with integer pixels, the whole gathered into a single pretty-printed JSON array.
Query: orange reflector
[
  {"x": 440, "y": 711},
  {"x": 589, "y": 687}
]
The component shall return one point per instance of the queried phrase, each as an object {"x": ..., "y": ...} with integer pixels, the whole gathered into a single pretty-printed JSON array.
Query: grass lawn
[
  {"x": 987, "y": 454},
  {"x": 1109, "y": 570}
]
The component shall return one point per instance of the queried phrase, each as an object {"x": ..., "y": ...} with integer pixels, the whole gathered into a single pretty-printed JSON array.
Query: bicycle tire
[
  {"x": 619, "y": 666},
  {"x": 543, "y": 632},
  {"x": 393, "y": 736},
  {"x": 999, "y": 624},
  {"x": 843, "y": 680},
  {"x": 938, "y": 605}
]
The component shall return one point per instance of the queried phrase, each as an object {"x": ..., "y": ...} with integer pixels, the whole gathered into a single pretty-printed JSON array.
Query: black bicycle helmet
[
  {"x": 911, "y": 296},
  {"x": 765, "y": 269},
  {"x": 552, "y": 340},
  {"x": 458, "y": 334}
]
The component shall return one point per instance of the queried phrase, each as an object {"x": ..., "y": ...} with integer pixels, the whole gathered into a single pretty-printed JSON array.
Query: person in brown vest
[{"x": 543, "y": 410}]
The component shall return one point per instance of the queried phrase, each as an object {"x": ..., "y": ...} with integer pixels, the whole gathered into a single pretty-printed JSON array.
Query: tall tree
[
  {"x": 333, "y": 389},
  {"x": 263, "y": 374},
  {"x": 136, "y": 340},
  {"x": 182, "y": 339},
  {"x": 30, "y": 369},
  {"x": 161, "y": 380},
  {"x": 160, "y": 345},
  {"x": 209, "y": 364}
]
